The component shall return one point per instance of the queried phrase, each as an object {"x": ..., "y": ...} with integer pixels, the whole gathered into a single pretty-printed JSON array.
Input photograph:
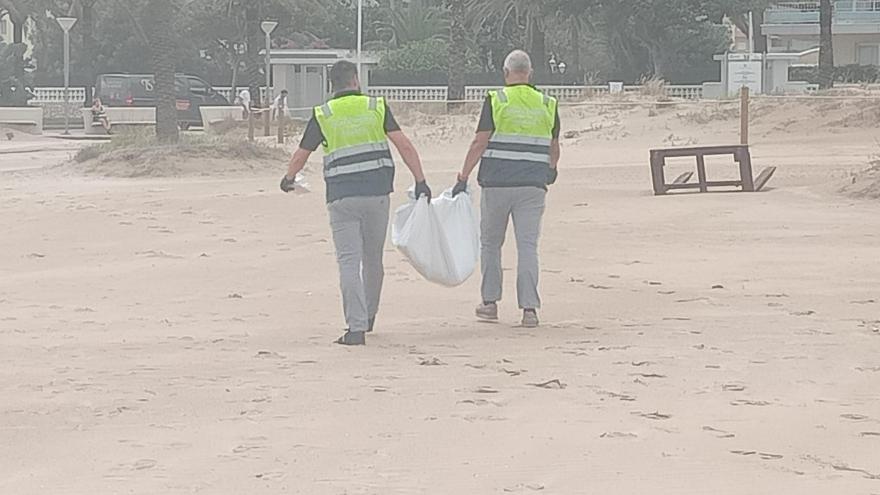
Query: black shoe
[
  {"x": 530, "y": 318},
  {"x": 370, "y": 324},
  {"x": 352, "y": 338}
]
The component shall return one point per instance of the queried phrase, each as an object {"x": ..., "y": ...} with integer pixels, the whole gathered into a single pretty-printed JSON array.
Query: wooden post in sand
[
  {"x": 267, "y": 122},
  {"x": 250, "y": 126},
  {"x": 744, "y": 116},
  {"x": 280, "y": 127}
]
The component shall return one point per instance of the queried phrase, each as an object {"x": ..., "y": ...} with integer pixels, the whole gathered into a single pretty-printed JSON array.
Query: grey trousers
[
  {"x": 526, "y": 206},
  {"x": 360, "y": 225}
]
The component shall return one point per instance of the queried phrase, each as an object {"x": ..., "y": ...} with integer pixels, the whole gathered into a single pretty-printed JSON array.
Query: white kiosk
[{"x": 305, "y": 75}]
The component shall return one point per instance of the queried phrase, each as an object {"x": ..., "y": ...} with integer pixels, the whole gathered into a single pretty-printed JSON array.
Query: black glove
[
  {"x": 460, "y": 187},
  {"x": 422, "y": 189},
  {"x": 287, "y": 185},
  {"x": 552, "y": 174}
]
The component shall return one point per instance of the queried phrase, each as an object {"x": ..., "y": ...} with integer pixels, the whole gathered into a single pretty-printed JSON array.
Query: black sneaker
[
  {"x": 530, "y": 318},
  {"x": 487, "y": 311},
  {"x": 352, "y": 338}
]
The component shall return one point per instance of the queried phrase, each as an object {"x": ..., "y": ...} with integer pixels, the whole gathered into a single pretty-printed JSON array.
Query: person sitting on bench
[{"x": 99, "y": 114}]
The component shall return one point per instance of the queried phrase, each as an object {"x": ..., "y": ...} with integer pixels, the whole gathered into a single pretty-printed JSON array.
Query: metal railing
[
  {"x": 562, "y": 93},
  {"x": 416, "y": 93},
  {"x": 56, "y": 95}
]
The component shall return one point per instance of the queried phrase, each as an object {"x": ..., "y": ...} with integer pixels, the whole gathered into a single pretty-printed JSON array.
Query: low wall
[
  {"x": 29, "y": 119},
  {"x": 215, "y": 115}
]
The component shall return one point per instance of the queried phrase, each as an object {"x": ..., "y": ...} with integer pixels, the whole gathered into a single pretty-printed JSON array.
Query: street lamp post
[
  {"x": 66, "y": 23},
  {"x": 268, "y": 27}
]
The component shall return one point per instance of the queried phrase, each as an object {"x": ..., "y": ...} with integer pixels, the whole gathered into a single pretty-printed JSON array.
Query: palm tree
[
  {"x": 85, "y": 11},
  {"x": 419, "y": 20},
  {"x": 154, "y": 23},
  {"x": 826, "y": 44},
  {"x": 530, "y": 12},
  {"x": 159, "y": 19},
  {"x": 455, "y": 90}
]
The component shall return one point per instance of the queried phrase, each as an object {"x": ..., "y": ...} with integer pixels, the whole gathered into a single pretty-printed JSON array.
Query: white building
[{"x": 793, "y": 28}]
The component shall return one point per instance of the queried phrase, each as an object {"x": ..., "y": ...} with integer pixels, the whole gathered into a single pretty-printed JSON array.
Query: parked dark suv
[{"x": 137, "y": 90}]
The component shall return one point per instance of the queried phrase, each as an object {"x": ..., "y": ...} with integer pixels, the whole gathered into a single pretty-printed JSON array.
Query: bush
[
  {"x": 846, "y": 74},
  {"x": 418, "y": 56}
]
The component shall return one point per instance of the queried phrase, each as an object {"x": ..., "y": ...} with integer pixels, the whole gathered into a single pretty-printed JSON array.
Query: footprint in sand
[
  {"x": 744, "y": 402},
  {"x": 855, "y": 417},
  {"x": 522, "y": 488},
  {"x": 480, "y": 402},
  {"x": 272, "y": 475},
  {"x": 763, "y": 455},
  {"x": 485, "y": 390},
  {"x": 653, "y": 415},
  {"x": 549, "y": 384},
  {"x": 615, "y": 395},
  {"x": 718, "y": 433},
  {"x": 618, "y": 434}
]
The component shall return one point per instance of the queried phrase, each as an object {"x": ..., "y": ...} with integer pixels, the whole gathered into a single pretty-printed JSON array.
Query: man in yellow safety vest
[
  {"x": 354, "y": 130},
  {"x": 517, "y": 146}
]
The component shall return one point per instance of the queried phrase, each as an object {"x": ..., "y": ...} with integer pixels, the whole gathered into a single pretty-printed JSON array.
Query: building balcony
[{"x": 846, "y": 12}]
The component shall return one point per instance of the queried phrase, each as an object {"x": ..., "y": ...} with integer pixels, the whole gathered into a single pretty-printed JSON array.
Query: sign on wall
[{"x": 744, "y": 70}]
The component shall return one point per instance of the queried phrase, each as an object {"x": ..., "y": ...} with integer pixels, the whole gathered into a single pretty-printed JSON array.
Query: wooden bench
[
  {"x": 28, "y": 118},
  {"x": 740, "y": 154},
  {"x": 119, "y": 116}
]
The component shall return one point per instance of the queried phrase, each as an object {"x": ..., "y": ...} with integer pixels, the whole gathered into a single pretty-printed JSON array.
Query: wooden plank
[
  {"x": 744, "y": 116},
  {"x": 762, "y": 178},
  {"x": 657, "y": 176},
  {"x": 745, "y": 170},
  {"x": 701, "y": 173},
  {"x": 683, "y": 178},
  {"x": 704, "y": 150},
  {"x": 720, "y": 183}
]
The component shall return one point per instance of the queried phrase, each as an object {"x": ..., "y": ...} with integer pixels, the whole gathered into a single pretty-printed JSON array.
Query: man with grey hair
[{"x": 517, "y": 146}]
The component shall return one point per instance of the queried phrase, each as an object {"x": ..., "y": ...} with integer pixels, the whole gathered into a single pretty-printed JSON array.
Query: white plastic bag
[{"x": 441, "y": 240}]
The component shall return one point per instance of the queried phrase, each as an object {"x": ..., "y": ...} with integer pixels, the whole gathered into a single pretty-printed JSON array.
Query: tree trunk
[
  {"x": 158, "y": 23},
  {"x": 254, "y": 62},
  {"x": 455, "y": 90},
  {"x": 537, "y": 47},
  {"x": 760, "y": 39},
  {"x": 575, "y": 65},
  {"x": 88, "y": 47},
  {"x": 658, "y": 62},
  {"x": 19, "y": 97},
  {"x": 826, "y": 44}
]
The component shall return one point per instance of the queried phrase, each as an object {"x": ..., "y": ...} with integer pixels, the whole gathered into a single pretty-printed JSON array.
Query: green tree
[
  {"x": 527, "y": 15},
  {"x": 18, "y": 11},
  {"x": 662, "y": 35},
  {"x": 417, "y": 21}
]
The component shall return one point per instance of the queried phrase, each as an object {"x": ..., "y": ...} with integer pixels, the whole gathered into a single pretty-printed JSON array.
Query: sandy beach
[{"x": 173, "y": 334}]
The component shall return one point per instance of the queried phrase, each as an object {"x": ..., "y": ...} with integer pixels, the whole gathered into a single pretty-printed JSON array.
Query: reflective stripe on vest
[
  {"x": 355, "y": 168},
  {"x": 524, "y": 119},
  {"x": 354, "y": 135}
]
